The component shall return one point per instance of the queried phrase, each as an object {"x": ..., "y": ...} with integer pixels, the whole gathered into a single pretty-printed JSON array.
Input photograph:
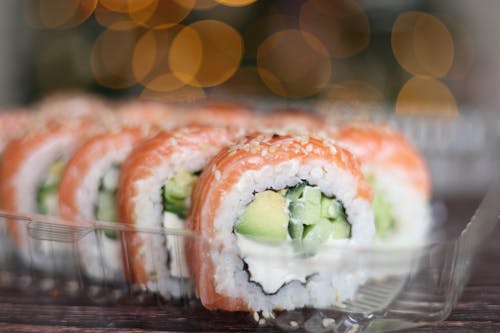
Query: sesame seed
[
  {"x": 294, "y": 324},
  {"x": 256, "y": 316}
]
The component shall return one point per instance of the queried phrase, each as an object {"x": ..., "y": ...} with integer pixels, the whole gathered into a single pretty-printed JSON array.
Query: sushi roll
[
  {"x": 267, "y": 213},
  {"x": 400, "y": 180},
  {"x": 72, "y": 109},
  {"x": 29, "y": 182},
  {"x": 133, "y": 113},
  {"x": 87, "y": 192},
  {"x": 13, "y": 124},
  {"x": 155, "y": 189}
]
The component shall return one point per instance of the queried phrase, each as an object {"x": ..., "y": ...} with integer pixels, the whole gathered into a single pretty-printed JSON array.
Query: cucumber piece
[
  {"x": 341, "y": 229},
  {"x": 303, "y": 213},
  {"x": 265, "y": 219},
  {"x": 47, "y": 200},
  {"x": 294, "y": 193},
  {"x": 295, "y": 230},
  {"x": 175, "y": 205},
  {"x": 106, "y": 209},
  {"x": 111, "y": 234},
  {"x": 307, "y": 210},
  {"x": 312, "y": 195},
  {"x": 331, "y": 208},
  {"x": 385, "y": 222},
  {"x": 316, "y": 235}
]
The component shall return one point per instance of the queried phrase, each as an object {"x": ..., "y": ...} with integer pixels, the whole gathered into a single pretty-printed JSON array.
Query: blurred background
[{"x": 415, "y": 56}]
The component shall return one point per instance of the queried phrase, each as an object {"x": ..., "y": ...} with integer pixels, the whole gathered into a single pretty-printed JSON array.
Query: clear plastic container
[{"x": 386, "y": 289}]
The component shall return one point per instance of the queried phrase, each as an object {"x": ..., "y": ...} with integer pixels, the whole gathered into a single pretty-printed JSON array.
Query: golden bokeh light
[
  {"x": 58, "y": 13},
  {"x": 184, "y": 94},
  {"x": 342, "y": 25},
  {"x": 113, "y": 20},
  {"x": 428, "y": 96},
  {"x": 422, "y": 44},
  {"x": 125, "y": 6},
  {"x": 206, "y": 53},
  {"x": 150, "y": 60},
  {"x": 161, "y": 14},
  {"x": 293, "y": 63},
  {"x": 353, "y": 93},
  {"x": 111, "y": 58},
  {"x": 236, "y": 3}
]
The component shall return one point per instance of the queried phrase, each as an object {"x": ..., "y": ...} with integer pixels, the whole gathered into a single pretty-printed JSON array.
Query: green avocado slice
[
  {"x": 47, "y": 192},
  {"x": 176, "y": 191},
  {"x": 265, "y": 219},
  {"x": 106, "y": 207}
]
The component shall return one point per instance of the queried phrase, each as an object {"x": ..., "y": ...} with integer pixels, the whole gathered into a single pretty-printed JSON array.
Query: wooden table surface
[{"x": 478, "y": 309}]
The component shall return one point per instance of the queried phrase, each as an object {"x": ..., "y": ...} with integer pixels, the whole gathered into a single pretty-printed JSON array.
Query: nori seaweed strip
[{"x": 245, "y": 268}]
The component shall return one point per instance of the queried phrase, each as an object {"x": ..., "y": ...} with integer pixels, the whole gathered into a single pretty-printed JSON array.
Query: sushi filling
[
  {"x": 47, "y": 191},
  {"x": 295, "y": 221},
  {"x": 385, "y": 223},
  {"x": 176, "y": 193},
  {"x": 301, "y": 214},
  {"x": 106, "y": 207},
  {"x": 176, "y": 200}
]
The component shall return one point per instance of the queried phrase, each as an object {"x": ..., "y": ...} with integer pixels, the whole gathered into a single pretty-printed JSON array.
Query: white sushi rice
[
  {"x": 410, "y": 207},
  {"x": 149, "y": 213},
  {"x": 399, "y": 252},
  {"x": 334, "y": 281},
  {"x": 45, "y": 255},
  {"x": 100, "y": 256}
]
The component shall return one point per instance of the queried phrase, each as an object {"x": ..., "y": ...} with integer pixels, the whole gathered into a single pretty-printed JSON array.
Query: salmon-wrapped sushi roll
[
  {"x": 88, "y": 191},
  {"x": 29, "y": 181},
  {"x": 400, "y": 180},
  {"x": 267, "y": 211},
  {"x": 221, "y": 114},
  {"x": 155, "y": 189},
  {"x": 133, "y": 113},
  {"x": 13, "y": 124},
  {"x": 72, "y": 109}
]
